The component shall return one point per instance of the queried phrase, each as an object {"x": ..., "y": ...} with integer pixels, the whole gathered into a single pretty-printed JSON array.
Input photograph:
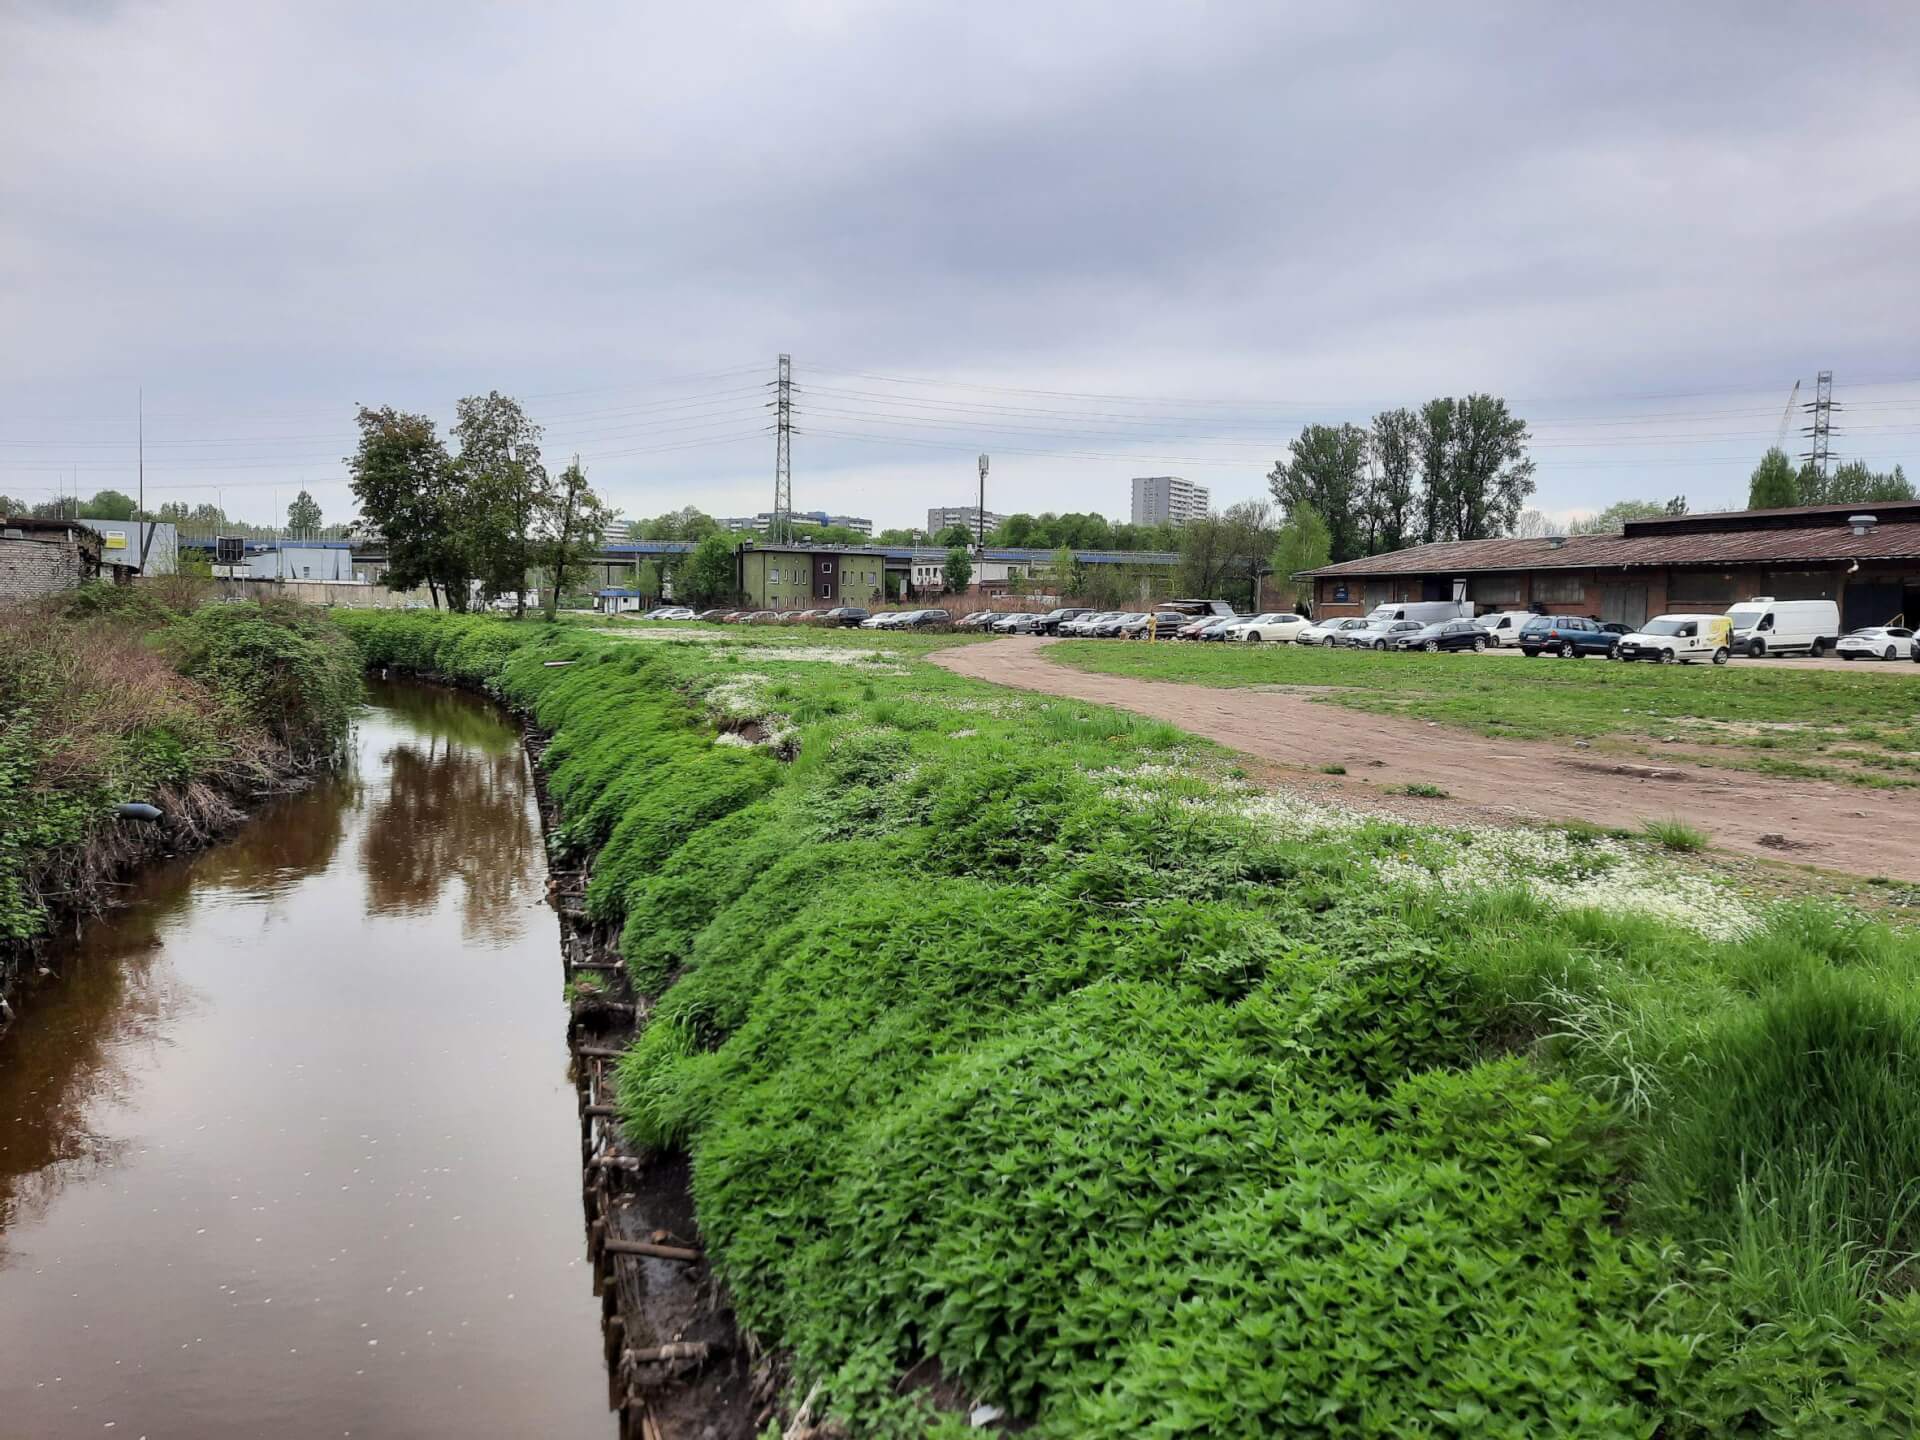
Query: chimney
[{"x": 1862, "y": 524}]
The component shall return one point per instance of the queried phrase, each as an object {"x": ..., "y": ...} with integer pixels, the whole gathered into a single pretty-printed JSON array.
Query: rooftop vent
[
  {"x": 1556, "y": 542},
  {"x": 1862, "y": 523}
]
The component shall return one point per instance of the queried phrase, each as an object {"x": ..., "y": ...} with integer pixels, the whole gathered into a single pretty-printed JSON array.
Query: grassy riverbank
[
  {"x": 109, "y": 696},
  {"x": 1751, "y": 715},
  {"x": 1021, "y": 1046}
]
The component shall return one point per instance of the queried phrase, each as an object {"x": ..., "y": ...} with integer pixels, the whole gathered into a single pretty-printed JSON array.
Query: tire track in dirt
[{"x": 1836, "y": 827}]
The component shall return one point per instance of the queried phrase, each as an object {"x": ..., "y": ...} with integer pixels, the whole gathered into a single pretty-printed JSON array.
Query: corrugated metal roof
[{"x": 1896, "y": 541}]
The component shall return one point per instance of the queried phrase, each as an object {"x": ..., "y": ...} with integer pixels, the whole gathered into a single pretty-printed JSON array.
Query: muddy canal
[{"x": 291, "y": 1150}]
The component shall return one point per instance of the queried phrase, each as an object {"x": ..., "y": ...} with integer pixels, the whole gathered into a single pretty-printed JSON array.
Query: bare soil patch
[{"x": 1837, "y": 827}]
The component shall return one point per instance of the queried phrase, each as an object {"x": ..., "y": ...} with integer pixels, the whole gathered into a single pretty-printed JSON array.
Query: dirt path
[{"x": 1837, "y": 827}]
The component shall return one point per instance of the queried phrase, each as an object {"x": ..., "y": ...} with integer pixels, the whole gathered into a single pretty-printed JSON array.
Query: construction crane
[{"x": 1786, "y": 417}]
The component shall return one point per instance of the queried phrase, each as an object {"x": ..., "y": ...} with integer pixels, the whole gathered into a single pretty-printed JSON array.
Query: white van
[
  {"x": 1425, "y": 611},
  {"x": 1766, "y": 626},
  {"x": 1502, "y": 627},
  {"x": 1667, "y": 639}
]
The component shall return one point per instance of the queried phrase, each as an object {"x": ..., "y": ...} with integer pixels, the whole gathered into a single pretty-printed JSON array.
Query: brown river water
[{"x": 290, "y": 1148}]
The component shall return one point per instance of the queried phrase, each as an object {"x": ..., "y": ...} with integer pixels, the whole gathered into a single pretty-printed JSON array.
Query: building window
[
  {"x": 774, "y": 576},
  {"x": 1560, "y": 588},
  {"x": 826, "y": 567},
  {"x": 1494, "y": 590},
  {"x": 1700, "y": 588},
  {"x": 826, "y": 592}
]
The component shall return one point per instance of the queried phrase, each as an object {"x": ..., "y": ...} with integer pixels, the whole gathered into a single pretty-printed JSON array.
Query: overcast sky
[{"x": 1094, "y": 240}]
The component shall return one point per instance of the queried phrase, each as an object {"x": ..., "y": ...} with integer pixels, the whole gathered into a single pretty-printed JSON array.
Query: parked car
[
  {"x": 1875, "y": 642},
  {"x": 1380, "y": 634},
  {"x": 1443, "y": 635},
  {"x": 848, "y": 615},
  {"x": 1326, "y": 632},
  {"x": 1682, "y": 638},
  {"x": 712, "y": 614},
  {"x": 1218, "y": 628},
  {"x": 1275, "y": 625},
  {"x": 1158, "y": 624},
  {"x": 1086, "y": 623},
  {"x": 1766, "y": 626},
  {"x": 1569, "y": 636},
  {"x": 1017, "y": 623},
  {"x": 1050, "y": 623},
  {"x": 1502, "y": 627},
  {"x": 806, "y": 617},
  {"x": 918, "y": 619},
  {"x": 1106, "y": 629},
  {"x": 1191, "y": 630},
  {"x": 979, "y": 620}
]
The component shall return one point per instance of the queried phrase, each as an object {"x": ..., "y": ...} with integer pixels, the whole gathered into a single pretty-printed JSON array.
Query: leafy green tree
[
  {"x": 686, "y": 523},
  {"x": 1677, "y": 505},
  {"x": 1474, "y": 467},
  {"x": 303, "y": 515},
  {"x": 958, "y": 569},
  {"x": 1773, "y": 484},
  {"x": 108, "y": 505},
  {"x": 897, "y": 537},
  {"x": 404, "y": 484},
  {"x": 646, "y": 578},
  {"x": 571, "y": 524},
  {"x": 954, "y": 535},
  {"x": 1304, "y": 543},
  {"x": 1855, "y": 483},
  {"x": 828, "y": 534},
  {"x": 1220, "y": 555},
  {"x": 1069, "y": 575},
  {"x": 705, "y": 577},
  {"x": 1326, "y": 471},
  {"x": 11, "y": 506},
  {"x": 1390, "y": 493},
  {"x": 61, "y": 507},
  {"x": 507, "y": 490},
  {"x": 1611, "y": 520}
]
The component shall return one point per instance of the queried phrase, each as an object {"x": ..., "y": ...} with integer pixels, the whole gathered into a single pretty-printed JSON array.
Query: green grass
[
  {"x": 1333, "y": 769},
  {"x": 1865, "y": 722},
  {"x": 1423, "y": 789},
  {"x": 1677, "y": 835},
  {"x": 1002, "y": 1032}
]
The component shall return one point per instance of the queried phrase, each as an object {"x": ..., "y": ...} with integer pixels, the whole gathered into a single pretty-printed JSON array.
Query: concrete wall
[
  {"x": 316, "y": 592},
  {"x": 31, "y": 568}
]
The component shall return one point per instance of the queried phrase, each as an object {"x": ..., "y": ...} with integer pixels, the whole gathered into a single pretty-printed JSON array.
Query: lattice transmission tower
[
  {"x": 781, "y": 530},
  {"x": 1820, "y": 432}
]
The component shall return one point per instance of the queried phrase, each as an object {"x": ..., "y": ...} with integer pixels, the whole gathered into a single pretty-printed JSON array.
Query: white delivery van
[
  {"x": 1766, "y": 626},
  {"x": 1425, "y": 611},
  {"x": 1502, "y": 627},
  {"x": 1678, "y": 638}
]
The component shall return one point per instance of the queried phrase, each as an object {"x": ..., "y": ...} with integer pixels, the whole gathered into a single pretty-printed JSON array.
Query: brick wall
[{"x": 32, "y": 568}]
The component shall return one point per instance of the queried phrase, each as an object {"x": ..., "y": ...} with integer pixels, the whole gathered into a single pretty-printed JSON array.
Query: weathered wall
[
  {"x": 316, "y": 592},
  {"x": 32, "y": 568}
]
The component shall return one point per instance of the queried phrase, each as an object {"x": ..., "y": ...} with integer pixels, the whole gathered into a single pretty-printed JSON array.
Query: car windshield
[
  {"x": 1667, "y": 627},
  {"x": 1745, "y": 619}
]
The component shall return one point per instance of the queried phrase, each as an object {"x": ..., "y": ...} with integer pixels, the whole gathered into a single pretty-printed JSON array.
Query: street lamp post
[{"x": 980, "y": 514}]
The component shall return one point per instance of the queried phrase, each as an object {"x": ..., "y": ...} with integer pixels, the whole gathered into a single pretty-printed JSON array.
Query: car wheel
[
  {"x": 1892, "y": 654},
  {"x": 1847, "y": 655},
  {"x": 1480, "y": 645},
  {"x": 1432, "y": 647},
  {"x": 1567, "y": 651},
  {"x": 1818, "y": 648},
  {"x": 1721, "y": 656},
  {"x": 1756, "y": 647},
  {"x": 1379, "y": 644},
  {"x": 1666, "y": 657},
  {"x": 1256, "y": 637}
]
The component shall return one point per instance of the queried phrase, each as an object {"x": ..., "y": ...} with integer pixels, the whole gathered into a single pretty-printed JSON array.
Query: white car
[
  {"x": 1666, "y": 639},
  {"x": 1280, "y": 625},
  {"x": 1084, "y": 625},
  {"x": 1376, "y": 634},
  {"x": 1876, "y": 642},
  {"x": 669, "y": 612},
  {"x": 1326, "y": 630},
  {"x": 1502, "y": 626}
]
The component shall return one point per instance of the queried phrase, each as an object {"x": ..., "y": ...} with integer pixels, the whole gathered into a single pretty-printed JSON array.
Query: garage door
[{"x": 1625, "y": 603}]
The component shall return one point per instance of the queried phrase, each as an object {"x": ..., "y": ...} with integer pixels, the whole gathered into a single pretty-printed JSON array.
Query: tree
[
  {"x": 897, "y": 537},
  {"x": 1069, "y": 575},
  {"x": 1220, "y": 555},
  {"x": 571, "y": 524},
  {"x": 404, "y": 484},
  {"x": 706, "y": 575},
  {"x": 62, "y": 507},
  {"x": 303, "y": 515},
  {"x": 685, "y": 523},
  {"x": 959, "y": 569},
  {"x": 1612, "y": 520},
  {"x": 646, "y": 579},
  {"x": 1773, "y": 484},
  {"x": 11, "y": 506},
  {"x": 1532, "y": 525},
  {"x": 954, "y": 535},
  {"x": 1854, "y": 483},
  {"x": 1474, "y": 465},
  {"x": 108, "y": 505},
  {"x": 1326, "y": 473},
  {"x": 507, "y": 490},
  {"x": 1304, "y": 543},
  {"x": 1677, "y": 505},
  {"x": 1392, "y": 493}
]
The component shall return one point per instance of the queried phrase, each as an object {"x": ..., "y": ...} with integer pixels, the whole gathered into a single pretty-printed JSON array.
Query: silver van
[{"x": 1425, "y": 611}]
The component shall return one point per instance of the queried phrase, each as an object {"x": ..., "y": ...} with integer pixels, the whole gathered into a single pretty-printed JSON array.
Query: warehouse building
[
  {"x": 804, "y": 577},
  {"x": 1866, "y": 557}
]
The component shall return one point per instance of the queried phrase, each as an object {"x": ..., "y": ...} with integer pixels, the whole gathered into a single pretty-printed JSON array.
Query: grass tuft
[{"x": 1676, "y": 834}]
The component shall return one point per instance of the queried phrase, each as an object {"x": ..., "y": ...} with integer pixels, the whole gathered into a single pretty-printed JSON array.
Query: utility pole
[
  {"x": 980, "y": 515},
  {"x": 140, "y": 510},
  {"x": 1821, "y": 407},
  {"x": 780, "y": 531}
]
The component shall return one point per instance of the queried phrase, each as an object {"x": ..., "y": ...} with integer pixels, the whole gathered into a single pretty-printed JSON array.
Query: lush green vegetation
[
  {"x": 114, "y": 695},
  {"x": 1022, "y": 1036},
  {"x": 1817, "y": 724}
]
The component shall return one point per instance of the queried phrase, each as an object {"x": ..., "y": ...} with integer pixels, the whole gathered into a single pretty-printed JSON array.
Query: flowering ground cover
[{"x": 1026, "y": 1044}]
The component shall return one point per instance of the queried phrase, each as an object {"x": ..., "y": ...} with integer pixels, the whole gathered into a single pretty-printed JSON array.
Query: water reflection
[
  {"x": 289, "y": 1147},
  {"x": 453, "y": 810}
]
